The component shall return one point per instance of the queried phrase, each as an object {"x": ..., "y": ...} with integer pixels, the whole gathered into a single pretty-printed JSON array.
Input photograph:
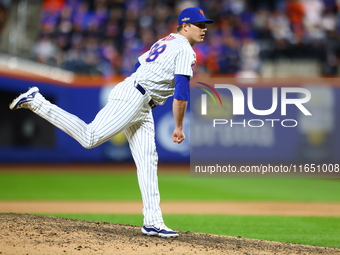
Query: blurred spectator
[
  {"x": 279, "y": 26},
  {"x": 250, "y": 56},
  {"x": 313, "y": 18},
  {"x": 53, "y": 5},
  {"x": 106, "y": 36},
  {"x": 45, "y": 51},
  {"x": 3, "y": 13},
  {"x": 295, "y": 13}
]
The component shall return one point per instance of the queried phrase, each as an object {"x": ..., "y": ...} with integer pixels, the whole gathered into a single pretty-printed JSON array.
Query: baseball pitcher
[{"x": 163, "y": 71}]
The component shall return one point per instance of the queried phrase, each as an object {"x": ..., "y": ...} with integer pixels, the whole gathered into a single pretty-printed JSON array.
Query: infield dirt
[
  {"x": 22, "y": 233},
  {"x": 36, "y": 234}
]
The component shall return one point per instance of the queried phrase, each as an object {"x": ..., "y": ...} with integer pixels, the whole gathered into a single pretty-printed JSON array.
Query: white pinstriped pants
[{"x": 126, "y": 110}]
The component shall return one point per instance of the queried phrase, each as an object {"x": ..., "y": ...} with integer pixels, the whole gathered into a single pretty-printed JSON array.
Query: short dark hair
[{"x": 180, "y": 27}]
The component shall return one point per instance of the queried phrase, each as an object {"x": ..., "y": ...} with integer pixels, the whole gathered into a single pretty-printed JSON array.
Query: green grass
[
  {"x": 317, "y": 231},
  {"x": 68, "y": 186},
  {"x": 113, "y": 186},
  {"x": 320, "y": 231}
]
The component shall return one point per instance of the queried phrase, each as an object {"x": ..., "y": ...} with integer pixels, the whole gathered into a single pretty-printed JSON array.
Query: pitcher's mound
[{"x": 35, "y": 234}]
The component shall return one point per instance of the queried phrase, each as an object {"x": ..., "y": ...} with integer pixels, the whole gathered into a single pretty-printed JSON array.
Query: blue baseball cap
[{"x": 192, "y": 15}]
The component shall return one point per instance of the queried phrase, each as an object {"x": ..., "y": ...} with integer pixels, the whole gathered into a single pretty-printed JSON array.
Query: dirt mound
[{"x": 35, "y": 234}]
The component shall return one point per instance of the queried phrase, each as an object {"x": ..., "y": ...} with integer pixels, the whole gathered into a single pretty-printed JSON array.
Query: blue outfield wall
[
  {"x": 237, "y": 145},
  {"x": 84, "y": 102}
]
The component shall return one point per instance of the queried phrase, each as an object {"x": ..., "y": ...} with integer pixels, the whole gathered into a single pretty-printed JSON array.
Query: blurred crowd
[{"x": 107, "y": 36}]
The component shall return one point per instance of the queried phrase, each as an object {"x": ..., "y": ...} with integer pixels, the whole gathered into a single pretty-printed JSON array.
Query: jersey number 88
[{"x": 155, "y": 51}]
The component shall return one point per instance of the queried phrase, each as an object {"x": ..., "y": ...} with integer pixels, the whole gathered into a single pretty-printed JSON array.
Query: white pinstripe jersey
[{"x": 168, "y": 56}]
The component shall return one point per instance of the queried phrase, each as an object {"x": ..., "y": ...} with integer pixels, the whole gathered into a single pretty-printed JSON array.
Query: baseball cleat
[
  {"x": 24, "y": 98},
  {"x": 159, "y": 230}
]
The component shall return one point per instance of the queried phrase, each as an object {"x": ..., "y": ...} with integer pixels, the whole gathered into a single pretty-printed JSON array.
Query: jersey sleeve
[
  {"x": 137, "y": 65},
  {"x": 184, "y": 62},
  {"x": 182, "y": 87}
]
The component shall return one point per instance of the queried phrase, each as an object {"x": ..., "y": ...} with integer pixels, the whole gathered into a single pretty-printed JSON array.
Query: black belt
[{"x": 142, "y": 90}]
